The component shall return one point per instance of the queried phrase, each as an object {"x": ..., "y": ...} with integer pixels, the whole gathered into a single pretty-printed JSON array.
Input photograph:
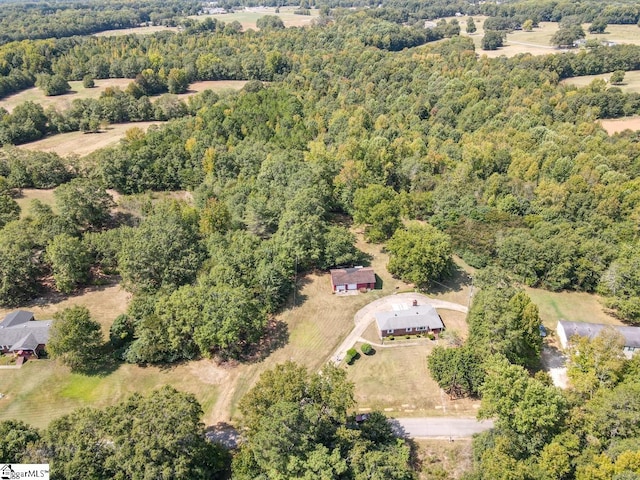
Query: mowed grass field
[
  {"x": 538, "y": 41},
  {"x": 397, "y": 381},
  {"x": 249, "y": 16},
  {"x": 617, "y": 125},
  {"x": 149, "y": 30},
  {"x": 63, "y": 102},
  {"x": 81, "y": 144},
  {"x": 631, "y": 80},
  {"x": 573, "y": 306},
  {"x": 27, "y": 195}
]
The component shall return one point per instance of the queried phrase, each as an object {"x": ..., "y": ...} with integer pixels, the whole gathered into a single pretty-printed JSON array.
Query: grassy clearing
[
  {"x": 457, "y": 288},
  {"x": 316, "y": 327},
  {"x": 397, "y": 381},
  {"x": 81, "y": 144},
  {"x": 105, "y": 303},
  {"x": 573, "y": 306},
  {"x": 631, "y": 81},
  {"x": 137, "y": 31},
  {"x": 43, "y": 390},
  {"x": 538, "y": 41},
  {"x": 63, "y": 102},
  {"x": 618, "y": 125},
  {"x": 248, "y": 17},
  {"x": 441, "y": 459},
  {"x": 29, "y": 194}
]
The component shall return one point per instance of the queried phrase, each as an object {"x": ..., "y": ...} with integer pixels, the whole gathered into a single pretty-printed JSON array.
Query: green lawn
[
  {"x": 43, "y": 390},
  {"x": 573, "y": 306},
  {"x": 397, "y": 380},
  {"x": 27, "y": 195}
]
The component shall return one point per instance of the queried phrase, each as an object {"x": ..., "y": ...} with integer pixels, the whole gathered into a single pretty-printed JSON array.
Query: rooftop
[
  {"x": 19, "y": 331},
  {"x": 631, "y": 334},
  {"x": 413, "y": 317},
  {"x": 343, "y": 276}
]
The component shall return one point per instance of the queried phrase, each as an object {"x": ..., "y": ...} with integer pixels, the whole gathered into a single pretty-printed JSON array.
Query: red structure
[{"x": 356, "y": 278}]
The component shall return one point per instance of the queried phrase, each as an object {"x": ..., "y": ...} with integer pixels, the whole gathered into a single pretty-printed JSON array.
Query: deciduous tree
[
  {"x": 419, "y": 254},
  {"x": 75, "y": 339}
]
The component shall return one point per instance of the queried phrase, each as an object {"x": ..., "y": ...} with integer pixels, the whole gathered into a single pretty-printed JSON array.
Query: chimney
[{"x": 415, "y": 303}]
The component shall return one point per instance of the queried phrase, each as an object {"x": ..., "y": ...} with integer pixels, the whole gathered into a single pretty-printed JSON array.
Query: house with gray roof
[
  {"x": 21, "y": 333},
  {"x": 409, "y": 321},
  {"x": 631, "y": 335}
]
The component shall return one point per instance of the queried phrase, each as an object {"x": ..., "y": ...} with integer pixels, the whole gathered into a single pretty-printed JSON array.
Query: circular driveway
[{"x": 365, "y": 316}]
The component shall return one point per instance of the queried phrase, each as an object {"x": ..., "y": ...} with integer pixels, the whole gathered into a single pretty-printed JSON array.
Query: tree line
[{"x": 58, "y": 19}]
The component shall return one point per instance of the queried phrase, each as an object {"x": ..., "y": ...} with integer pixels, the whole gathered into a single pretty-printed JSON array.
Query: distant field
[
  {"x": 137, "y": 30},
  {"x": 618, "y": 125},
  {"x": 631, "y": 80},
  {"x": 248, "y": 17},
  {"x": 538, "y": 41},
  {"x": 63, "y": 102},
  {"x": 78, "y": 143}
]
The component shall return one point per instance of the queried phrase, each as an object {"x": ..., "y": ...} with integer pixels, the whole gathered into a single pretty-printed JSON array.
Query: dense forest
[{"x": 363, "y": 118}]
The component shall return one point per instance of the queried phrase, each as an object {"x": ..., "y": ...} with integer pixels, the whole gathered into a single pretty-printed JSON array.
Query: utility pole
[{"x": 295, "y": 282}]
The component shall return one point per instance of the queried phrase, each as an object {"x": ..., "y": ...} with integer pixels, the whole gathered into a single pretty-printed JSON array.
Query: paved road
[
  {"x": 439, "y": 427},
  {"x": 425, "y": 427},
  {"x": 365, "y": 316}
]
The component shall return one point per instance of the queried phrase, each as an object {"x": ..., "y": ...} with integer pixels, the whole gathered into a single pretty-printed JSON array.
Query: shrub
[
  {"x": 87, "y": 81},
  {"x": 391, "y": 337},
  {"x": 352, "y": 354},
  {"x": 431, "y": 336},
  {"x": 366, "y": 349}
]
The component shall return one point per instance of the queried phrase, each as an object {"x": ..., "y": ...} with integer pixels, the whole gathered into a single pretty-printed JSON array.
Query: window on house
[
  {"x": 389, "y": 331},
  {"x": 409, "y": 329}
]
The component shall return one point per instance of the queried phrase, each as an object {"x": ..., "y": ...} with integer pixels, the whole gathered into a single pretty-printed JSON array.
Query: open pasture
[
  {"x": 148, "y": 30},
  {"x": 631, "y": 80},
  {"x": 63, "y": 102},
  {"x": 81, "y": 144},
  {"x": 250, "y": 15}
]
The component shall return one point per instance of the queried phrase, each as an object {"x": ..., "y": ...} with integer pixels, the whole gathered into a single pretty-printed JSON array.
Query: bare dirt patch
[
  {"x": 81, "y": 144},
  {"x": 618, "y": 125}
]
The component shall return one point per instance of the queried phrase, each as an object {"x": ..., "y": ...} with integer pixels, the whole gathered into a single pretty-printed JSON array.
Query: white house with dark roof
[
  {"x": 631, "y": 335},
  {"x": 410, "y": 321},
  {"x": 21, "y": 333}
]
